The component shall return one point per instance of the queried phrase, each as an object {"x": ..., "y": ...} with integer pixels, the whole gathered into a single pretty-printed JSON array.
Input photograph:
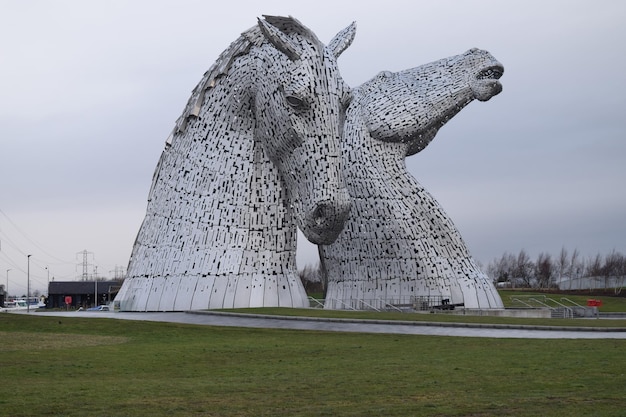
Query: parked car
[{"x": 99, "y": 308}]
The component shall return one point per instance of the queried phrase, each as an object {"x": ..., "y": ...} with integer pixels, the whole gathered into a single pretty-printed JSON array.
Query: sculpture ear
[
  {"x": 342, "y": 40},
  {"x": 279, "y": 40}
]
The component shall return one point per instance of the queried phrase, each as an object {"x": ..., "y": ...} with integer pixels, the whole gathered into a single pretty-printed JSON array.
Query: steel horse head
[{"x": 255, "y": 154}]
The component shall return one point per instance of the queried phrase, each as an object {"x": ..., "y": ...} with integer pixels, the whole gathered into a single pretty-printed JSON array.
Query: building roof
[{"x": 82, "y": 287}]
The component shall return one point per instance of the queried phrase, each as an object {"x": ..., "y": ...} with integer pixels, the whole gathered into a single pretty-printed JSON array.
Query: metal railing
[
  {"x": 365, "y": 303},
  {"x": 581, "y": 311},
  {"x": 557, "y": 309},
  {"x": 315, "y": 303}
]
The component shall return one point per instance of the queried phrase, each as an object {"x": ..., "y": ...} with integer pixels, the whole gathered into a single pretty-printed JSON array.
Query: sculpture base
[{"x": 183, "y": 293}]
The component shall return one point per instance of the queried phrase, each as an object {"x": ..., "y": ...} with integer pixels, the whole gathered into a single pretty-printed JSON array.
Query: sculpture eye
[{"x": 296, "y": 102}]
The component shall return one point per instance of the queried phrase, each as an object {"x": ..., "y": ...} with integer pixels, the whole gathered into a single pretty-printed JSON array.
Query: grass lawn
[{"x": 105, "y": 367}]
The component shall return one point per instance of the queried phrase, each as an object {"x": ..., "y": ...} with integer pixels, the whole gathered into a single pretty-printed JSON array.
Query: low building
[
  {"x": 75, "y": 294},
  {"x": 589, "y": 283}
]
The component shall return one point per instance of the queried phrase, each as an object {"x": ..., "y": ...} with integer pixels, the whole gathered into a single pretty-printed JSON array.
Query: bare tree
[
  {"x": 502, "y": 269},
  {"x": 594, "y": 266},
  {"x": 524, "y": 269},
  {"x": 594, "y": 270},
  {"x": 612, "y": 267},
  {"x": 311, "y": 278},
  {"x": 562, "y": 264},
  {"x": 576, "y": 267},
  {"x": 543, "y": 270},
  {"x": 621, "y": 276}
]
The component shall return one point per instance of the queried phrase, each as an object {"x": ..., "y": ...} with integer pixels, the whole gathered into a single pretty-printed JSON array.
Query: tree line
[
  {"x": 520, "y": 271},
  {"x": 546, "y": 271}
]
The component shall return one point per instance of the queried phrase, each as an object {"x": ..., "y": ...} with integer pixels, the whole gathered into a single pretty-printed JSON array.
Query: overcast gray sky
[{"x": 89, "y": 91}]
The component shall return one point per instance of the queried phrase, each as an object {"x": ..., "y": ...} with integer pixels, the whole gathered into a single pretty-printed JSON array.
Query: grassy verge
[
  {"x": 94, "y": 367},
  {"x": 440, "y": 317}
]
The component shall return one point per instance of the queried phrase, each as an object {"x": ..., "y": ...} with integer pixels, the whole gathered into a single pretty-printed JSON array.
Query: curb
[{"x": 412, "y": 323}]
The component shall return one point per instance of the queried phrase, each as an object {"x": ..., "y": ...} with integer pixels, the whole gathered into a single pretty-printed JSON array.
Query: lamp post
[
  {"x": 28, "y": 284},
  {"x": 7, "y": 288},
  {"x": 95, "y": 281}
]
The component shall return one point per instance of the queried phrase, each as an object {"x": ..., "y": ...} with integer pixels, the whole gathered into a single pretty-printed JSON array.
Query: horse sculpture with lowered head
[
  {"x": 399, "y": 246},
  {"x": 255, "y": 154}
]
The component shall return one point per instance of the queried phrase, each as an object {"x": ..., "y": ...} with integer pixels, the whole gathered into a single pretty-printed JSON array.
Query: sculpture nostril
[{"x": 321, "y": 214}]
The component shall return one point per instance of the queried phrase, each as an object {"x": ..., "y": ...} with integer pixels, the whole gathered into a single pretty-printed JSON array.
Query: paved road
[{"x": 213, "y": 318}]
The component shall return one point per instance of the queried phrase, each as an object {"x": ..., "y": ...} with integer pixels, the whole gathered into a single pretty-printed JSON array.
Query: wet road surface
[{"x": 213, "y": 318}]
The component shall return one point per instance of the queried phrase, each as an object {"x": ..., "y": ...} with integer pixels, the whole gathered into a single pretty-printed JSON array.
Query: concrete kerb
[{"x": 411, "y": 323}]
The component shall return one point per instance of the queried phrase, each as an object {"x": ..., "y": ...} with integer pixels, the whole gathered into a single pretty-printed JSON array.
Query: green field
[
  {"x": 105, "y": 367},
  {"x": 610, "y": 303}
]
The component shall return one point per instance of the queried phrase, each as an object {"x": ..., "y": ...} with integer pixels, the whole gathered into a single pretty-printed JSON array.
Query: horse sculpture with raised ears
[
  {"x": 255, "y": 154},
  {"x": 399, "y": 246}
]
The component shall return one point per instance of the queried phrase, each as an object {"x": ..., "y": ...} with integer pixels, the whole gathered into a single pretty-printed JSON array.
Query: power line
[
  {"x": 11, "y": 262},
  {"x": 118, "y": 272},
  {"x": 27, "y": 237}
]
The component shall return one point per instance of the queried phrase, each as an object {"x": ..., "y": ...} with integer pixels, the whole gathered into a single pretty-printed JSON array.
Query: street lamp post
[
  {"x": 7, "y": 288},
  {"x": 95, "y": 280},
  {"x": 28, "y": 284}
]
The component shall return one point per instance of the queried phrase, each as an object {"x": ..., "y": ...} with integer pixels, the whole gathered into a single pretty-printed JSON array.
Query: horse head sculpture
[
  {"x": 411, "y": 106},
  {"x": 399, "y": 246},
  {"x": 255, "y": 153},
  {"x": 297, "y": 113}
]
